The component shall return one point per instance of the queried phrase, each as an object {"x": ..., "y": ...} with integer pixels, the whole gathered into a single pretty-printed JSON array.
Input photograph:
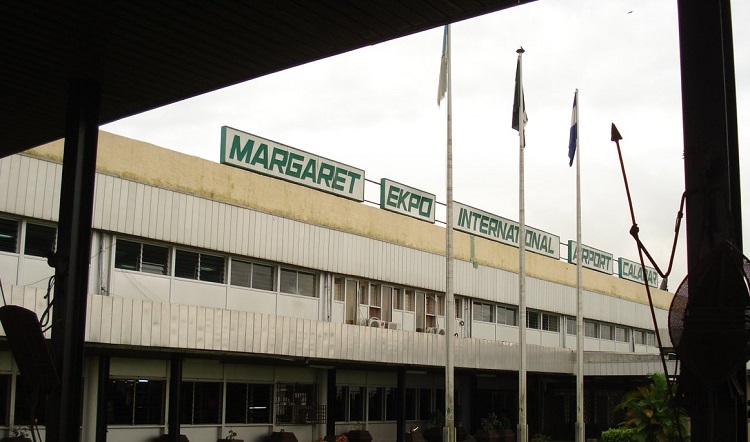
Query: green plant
[
  {"x": 540, "y": 437},
  {"x": 231, "y": 435},
  {"x": 649, "y": 411},
  {"x": 490, "y": 423},
  {"x": 19, "y": 432},
  {"x": 618, "y": 435}
]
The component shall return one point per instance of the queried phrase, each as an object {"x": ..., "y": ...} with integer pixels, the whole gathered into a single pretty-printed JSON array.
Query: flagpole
[
  {"x": 522, "y": 421},
  {"x": 580, "y": 423},
  {"x": 449, "y": 433}
]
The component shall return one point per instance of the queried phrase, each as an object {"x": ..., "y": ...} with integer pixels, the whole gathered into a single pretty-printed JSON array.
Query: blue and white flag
[
  {"x": 443, "y": 82},
  {"x": 573, "y": 143}
]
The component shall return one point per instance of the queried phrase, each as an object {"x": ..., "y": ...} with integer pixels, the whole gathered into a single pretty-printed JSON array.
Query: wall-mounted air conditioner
[
  {"x": 375, "y": 322},
  {"x": 435, "y": 330},
  {"x": 392, "y": 325}
]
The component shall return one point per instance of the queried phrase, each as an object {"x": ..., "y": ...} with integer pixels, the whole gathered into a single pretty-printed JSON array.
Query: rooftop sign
[
  {"x": 591, "y": 258},
  {"x": 256, "y": 154},
  {"x": 476, "y": 222},
  {"x": 632, "y": 271},
  {"x": 407, "y": 200}
]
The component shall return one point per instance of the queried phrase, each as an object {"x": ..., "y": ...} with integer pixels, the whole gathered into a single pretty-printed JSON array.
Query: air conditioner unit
[
  {"x": 441, "y": 331},
  {"x": 375, "y": 322},
  {"x": 432, "y": 330},
  {"x": 392, "y": 325}
]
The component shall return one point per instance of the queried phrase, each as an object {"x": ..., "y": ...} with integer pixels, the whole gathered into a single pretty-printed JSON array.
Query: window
[
  {"x": 375, "y": 403},
  {"x": 607, "y": 332},
  {"x": 8, "y": 235},
  {"x": 506, "y": 315},
  {"x": 147, "y": 258},
  {"x": 425, "y": 404},
  {"x": 356, "y": 404},
  {"x": 398, "y": 300},
  {"x": 390, "y": 403},
  {"x": 253, "y": 275},
  {"x": 410, "y": 406},
  {"x": 24, "y": 394},
  {"x": 621, "y": 334},
  {"x": 440, "y": 300},
  {"x": 248, "y": 403},
  {"x": 409, "y": 301},
  {"x": 200, "y": 403},
  {"x": 199, "y": 266},
  {"x": 338, "y": 289},
  {"x": 135, "y": 402},
  {"x": 532, "y": 320},
  {"x": 572, "y": 328},
  {"x": 483, "y": 312},
  {"x": 298, "y": 404},
  {"x": 297, "y": 282},
  {"x": 590, "y": 329},
  {"x": 650, "y": 339},
  {"x": 40, "y": 240},
  {"x": 550, "y": 322}
]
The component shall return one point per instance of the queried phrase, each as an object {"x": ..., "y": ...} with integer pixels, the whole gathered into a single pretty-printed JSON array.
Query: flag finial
[
  {"x": 615, "y": 133},
  {"x": 520, "y": 50}
]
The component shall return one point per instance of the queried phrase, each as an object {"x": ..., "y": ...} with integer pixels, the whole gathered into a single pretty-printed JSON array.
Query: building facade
[{"x": 288, "y": 307}]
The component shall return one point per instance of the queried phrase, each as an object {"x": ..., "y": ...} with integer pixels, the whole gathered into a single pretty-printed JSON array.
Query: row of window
[
  {"x": 39, "y": 239},
  {"x": 151, "y": 258},
  {"x": 609, "y": 332},
  {"x": 506, "y": 315}
]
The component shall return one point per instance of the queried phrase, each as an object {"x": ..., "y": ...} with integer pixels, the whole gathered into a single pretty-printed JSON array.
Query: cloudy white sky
[{"x": 375, "y": 109}]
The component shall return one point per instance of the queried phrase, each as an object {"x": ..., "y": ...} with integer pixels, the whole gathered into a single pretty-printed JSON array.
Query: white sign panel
[
  {"x": 476, "y": 222},
  {"x": 632, "y": 271},
  {"x": 407, "y": 200},
  {"x": 256, "y": 154},
  {"x": 591, "y": 258}
]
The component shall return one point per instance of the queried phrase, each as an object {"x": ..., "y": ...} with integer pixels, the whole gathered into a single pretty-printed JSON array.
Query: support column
[
  {"x": 101, "y": 404},
  {"x": 72, "y": 259},
  {"x": 175, "y": 381},
  {"x": 331, "y": 406},
  {"x": 401, "y": 404},
  {"x": 713, "y": 213}
]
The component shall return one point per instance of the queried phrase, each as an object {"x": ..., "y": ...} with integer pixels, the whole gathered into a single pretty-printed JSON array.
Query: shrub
[{"x": 618, "y": 435}]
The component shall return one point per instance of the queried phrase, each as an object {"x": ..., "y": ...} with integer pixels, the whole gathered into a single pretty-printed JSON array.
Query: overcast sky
[{"x": 376, "y": 109}]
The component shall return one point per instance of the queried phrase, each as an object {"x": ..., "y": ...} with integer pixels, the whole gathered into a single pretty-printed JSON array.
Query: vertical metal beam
[
  {"x": 101, "y": 403},
  {"x": 72, "y": 258},
  {"x": 331, "y": 406},
  {"x": 175, "y": 384},
  {"x": 401, "y": 404},
  {"x": 712, "y": 182}
]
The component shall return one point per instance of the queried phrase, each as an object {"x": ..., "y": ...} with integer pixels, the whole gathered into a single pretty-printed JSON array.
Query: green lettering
[
  {"x": 310, "y": 171},
  {"x": 463, "y": 217},
  {"x": 402, "y": 200},
  {"x": 261, "y": 156},
  {"x": 325, "y": 174},
  {"x": 354, "y": 176},
  {"x": 392, "y": 199},
  {"x": 428, "y": 211},
  {"x": 278, "y": 160},
  {"x": 295, "y": 166},
  {"x": 241, "y": 153},
  {"x": 339, "y": 179}
]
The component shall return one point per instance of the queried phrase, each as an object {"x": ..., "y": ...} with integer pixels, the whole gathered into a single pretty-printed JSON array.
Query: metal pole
[
  {"x": 72, "y": 259},
  {"x": 523, "y": 427},
  {"x": 449, "y": 433},
  {"x": 580, "y": 422}
]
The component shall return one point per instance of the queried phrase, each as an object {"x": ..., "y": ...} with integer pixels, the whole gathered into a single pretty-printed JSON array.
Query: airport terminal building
[{"x": 270, "y": 297}]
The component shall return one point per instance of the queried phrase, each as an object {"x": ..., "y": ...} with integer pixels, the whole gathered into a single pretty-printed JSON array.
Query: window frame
[
  {"x": 296, "y": 289},
  {"x": 37, "y": 249},
  {"x": 180, "y": 269},
  {"x": 120, "y": 243}
]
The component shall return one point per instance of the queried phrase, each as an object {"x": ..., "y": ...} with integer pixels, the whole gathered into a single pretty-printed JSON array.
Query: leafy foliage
[
  {"x": 618, "y": 435},
  {"x": 650, "y": 413}
]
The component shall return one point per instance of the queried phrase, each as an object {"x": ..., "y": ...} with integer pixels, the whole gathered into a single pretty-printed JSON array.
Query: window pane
[
  {"x": 605, "y": 332},
  {"x": 259, "y": 404},
  {"x": 425, "y": 403},
  {"x": 409, "y": 300},
  {"x": 410, "y": 413},
  {"x": 127, "y": 254},
  {"x": 356, "y": 404},
  {"x": 398, "y": 300},
  {"x": 241, "y": 272},
  {"x": 621, "y": 334},
  {"x": 375, "y": 403},
  {"x": 207, "y": 403},
  {"x": 236, "y": 399},
  {"x": 262, "y": 277},
  {"x": 551, "y": 322},
  {"x": 8, "y": 235},
  {"x": 532, "y": 319},
  {"x": 390, "y": 403},
  {"x": 24, "y": 393},
  {"x": 155, "y": 259},
  {"x": 306, "y": 284},
  {"x": 149, "y": 402},
  {"x": 571, "y": 326},
  {"x": 590, "y": 329},
  {"x": 288, "y": 281},
  {"x": 338, "y": 289},
  {"x": 186, "y": 264},
  {"x": 342, "y": 394},
  {"x": 212, "y": 268},
  {"x": 40, "y": 240}
]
